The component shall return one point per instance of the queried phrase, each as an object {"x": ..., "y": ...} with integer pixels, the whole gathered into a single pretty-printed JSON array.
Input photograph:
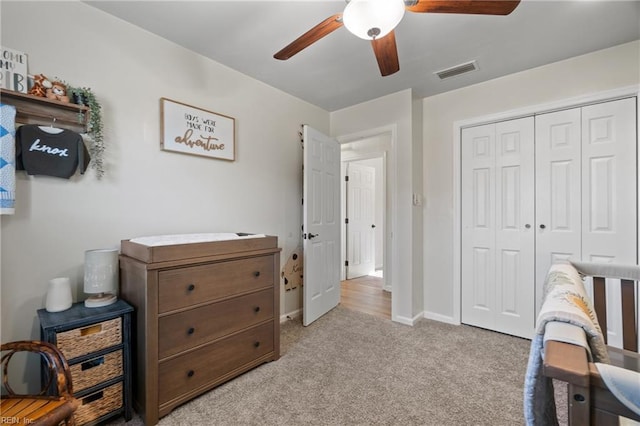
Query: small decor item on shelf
[
  {"x": 101, "y": 277},
  {"x": 58, "y": 92},
  {"x": 40, "y": 85},
  {"x": 14, "y": 70},
  {"x": 84, "y": 96},
  {"x": 58, "y": 295}
]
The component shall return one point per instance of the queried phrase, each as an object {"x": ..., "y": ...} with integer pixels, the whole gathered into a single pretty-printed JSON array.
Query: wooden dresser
[{"x": 204, "y": 313}]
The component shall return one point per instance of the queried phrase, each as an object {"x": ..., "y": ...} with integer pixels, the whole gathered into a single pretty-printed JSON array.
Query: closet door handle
[
  {"x": 527, "y": 226},
  {"x": 542, "y": 226}
]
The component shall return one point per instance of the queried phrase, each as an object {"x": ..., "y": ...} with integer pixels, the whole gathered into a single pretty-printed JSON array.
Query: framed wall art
[
  {"x": 14, "y": 70},
  {"x": 191, "y": 130}
]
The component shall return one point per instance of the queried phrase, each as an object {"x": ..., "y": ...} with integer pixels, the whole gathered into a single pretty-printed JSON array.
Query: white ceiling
[{"x": 340, "y": 70}]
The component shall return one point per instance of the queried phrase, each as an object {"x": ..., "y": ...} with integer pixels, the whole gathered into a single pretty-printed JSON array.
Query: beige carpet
[{"x": 350, "y": 368}]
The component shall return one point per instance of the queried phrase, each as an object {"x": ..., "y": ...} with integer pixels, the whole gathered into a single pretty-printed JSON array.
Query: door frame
[
  {"x": 605, "y": 96},
  {"x": 386, "y": 282},
  {"x": 391, "y": 259}
]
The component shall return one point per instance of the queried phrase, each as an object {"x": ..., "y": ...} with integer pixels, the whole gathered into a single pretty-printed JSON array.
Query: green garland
[{"x": 84, "y": 96}]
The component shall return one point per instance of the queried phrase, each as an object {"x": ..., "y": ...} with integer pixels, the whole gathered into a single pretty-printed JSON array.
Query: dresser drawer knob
[
  {"x": 256, "y": 309},
  {"x": 191, "y": 287},
  {"x": 256, "y": 274},
  {"x": 190, "y": 373},
  {"x": 256, "y": 344},
  {"x": 191, "y": 330}
]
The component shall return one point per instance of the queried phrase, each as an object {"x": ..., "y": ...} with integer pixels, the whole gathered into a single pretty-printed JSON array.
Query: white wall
[
  {"x": 599, "y": 71},
  {"x": 145, "y": 191},
  {"x": 366, "y": 120}
]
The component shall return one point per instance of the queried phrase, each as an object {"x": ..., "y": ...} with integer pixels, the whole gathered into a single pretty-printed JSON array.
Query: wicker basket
[
  {"x": 81, "y": 341},
  {"x": 99, "y": 403},
  {"x": 96, "y": 370}
]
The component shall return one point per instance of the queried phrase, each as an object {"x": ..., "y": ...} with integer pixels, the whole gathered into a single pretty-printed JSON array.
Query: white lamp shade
[
  {"x": 369, "y": 19},
  {"x": 101, "y": 271}
]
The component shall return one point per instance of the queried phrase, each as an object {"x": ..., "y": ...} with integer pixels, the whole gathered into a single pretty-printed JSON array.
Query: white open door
[
  {"x": 321, "y": 224},
  {"x": 361, "y": 185}
]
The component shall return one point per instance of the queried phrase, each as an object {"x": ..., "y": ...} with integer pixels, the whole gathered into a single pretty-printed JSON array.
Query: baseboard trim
[
  {"x": 291, "y": 315},
  {"x": 440, "y": 318},
  {"x": 407, "y": 320}
]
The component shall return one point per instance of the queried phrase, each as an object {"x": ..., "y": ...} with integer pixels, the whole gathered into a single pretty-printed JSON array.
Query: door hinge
[
  {"x": 346, "y": 263},
  {"x": 346, "y": 220},
  {"x": 346, "y": 178}
]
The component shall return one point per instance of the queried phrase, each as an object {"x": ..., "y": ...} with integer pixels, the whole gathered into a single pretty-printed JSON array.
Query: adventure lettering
[{"x": 194, "y": 131}]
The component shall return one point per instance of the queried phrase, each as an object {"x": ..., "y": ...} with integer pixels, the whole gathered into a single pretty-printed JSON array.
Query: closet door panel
[
  {"x": 609, "y": 192},
  {"x": 478, "y": 226},
  {"x": 497, "y": 246},
  {"x": 558, "y": 225},
  {"x": 514, "y": 289},
  {"x": 609, "y": 181}
]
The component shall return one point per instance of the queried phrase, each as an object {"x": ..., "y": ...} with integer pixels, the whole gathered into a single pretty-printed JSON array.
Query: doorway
[{"x": 364, "y": 210}]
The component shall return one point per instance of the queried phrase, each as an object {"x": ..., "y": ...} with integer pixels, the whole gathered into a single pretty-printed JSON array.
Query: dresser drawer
[
  {"x": 179, "y": 288},
  {"x": 203, "y": 366},
  {"x": 92, "y": 338},
  {"x": 194, "y": 327},
  {"x": 96, "y": 370},
  {"x": 99, "y": 403}
]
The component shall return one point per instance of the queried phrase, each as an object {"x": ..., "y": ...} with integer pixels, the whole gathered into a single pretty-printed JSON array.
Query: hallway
[{"x": 365, "y": 294}]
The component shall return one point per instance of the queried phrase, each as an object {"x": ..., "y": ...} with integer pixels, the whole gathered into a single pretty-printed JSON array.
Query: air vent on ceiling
[{"x": 457, "y": 70}]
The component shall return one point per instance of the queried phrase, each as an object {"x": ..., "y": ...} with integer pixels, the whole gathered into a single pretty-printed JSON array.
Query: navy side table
[{"x": 97, "y": 345}]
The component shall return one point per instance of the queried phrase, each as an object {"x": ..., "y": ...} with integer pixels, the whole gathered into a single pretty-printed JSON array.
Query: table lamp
[{"x": 100, "y": 277}]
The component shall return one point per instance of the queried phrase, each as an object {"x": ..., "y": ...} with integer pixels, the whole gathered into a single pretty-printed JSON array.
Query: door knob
[
  {"x": 373, "y": 226},
  {"x": 542, "y": 226},
  {"x": 527, "y": 226}
]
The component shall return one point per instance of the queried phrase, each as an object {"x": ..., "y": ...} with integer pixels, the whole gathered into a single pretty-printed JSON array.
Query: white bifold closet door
[
  {"x": 559, "y": 186},
  {"x": 562, "y": 185},
  {"x": 497, "y": 226},
  {"x": 586, "y": 190}
]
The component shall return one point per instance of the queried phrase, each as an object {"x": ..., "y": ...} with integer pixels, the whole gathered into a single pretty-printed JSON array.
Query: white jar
[{"x": 58, "y": 295}]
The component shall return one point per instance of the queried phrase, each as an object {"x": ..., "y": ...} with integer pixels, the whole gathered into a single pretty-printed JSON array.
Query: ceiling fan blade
[
  {"x": 479, "y": 7},
  {"x": 386, "y": 53},
  {"x": 325, "y": 27}
]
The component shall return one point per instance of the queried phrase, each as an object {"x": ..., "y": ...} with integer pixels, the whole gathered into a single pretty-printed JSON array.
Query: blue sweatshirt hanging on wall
[{"x": 50, "y": 151}]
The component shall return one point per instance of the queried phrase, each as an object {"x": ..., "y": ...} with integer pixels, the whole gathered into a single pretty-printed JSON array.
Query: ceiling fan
[{"x": 375, "y": 20}]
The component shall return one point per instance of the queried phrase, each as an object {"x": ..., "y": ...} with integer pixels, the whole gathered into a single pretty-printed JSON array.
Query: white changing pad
[{"x": 167, "y": 240}]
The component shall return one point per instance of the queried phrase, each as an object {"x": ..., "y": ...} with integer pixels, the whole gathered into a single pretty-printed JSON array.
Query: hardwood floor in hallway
[{"x": 365, "y": 294}]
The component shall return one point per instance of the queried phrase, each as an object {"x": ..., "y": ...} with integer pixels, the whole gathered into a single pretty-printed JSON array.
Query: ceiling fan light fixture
[{"x": 372, "y": 19}]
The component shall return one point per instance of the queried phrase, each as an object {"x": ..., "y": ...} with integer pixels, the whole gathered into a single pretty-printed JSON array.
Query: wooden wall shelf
[{"x": 45, "y": 112}]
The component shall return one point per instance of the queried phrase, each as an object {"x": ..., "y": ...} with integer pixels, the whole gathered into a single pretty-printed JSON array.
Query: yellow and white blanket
[{"x": 565, "y": 300}]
